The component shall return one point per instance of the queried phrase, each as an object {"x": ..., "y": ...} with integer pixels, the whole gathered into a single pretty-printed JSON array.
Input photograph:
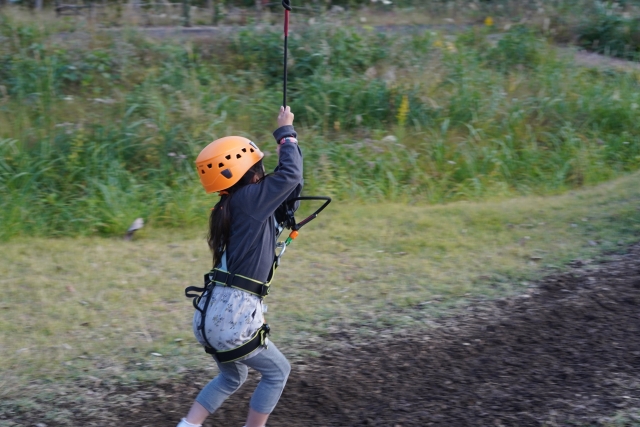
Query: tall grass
[{"x": 101, "y": 128}]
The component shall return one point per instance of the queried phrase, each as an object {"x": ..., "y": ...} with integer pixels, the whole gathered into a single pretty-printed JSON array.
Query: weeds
[{"x": 99, "y": 129}]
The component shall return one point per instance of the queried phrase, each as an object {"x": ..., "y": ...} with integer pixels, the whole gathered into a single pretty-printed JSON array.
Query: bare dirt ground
[
  {"x": 590, "y": 59},
  {"x": 567, "y": 352}
]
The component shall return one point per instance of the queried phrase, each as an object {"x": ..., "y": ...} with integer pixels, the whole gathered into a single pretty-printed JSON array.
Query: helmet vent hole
[
  {"x": 251, "y": 149},
  {"x": 202, "y": 170},
  {"x": 244, "y": 150},
  {"x": 227, "y": 173},
  {"x": 209, "y": 165},
  {"x": 220, "y": 165},
  {"x": 238, "y": 156},
  {"x": 228, "y": 157}
]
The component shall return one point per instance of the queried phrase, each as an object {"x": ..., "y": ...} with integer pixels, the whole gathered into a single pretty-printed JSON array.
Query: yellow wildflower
[{"x": 403, "y": 111}]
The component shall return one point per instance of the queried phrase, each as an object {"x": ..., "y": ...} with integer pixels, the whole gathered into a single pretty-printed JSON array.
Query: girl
[{"x": 229, "y": 320}]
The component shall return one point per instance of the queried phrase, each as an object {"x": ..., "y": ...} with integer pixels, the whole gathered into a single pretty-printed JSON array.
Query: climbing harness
[{"x": 221, "y": 277}]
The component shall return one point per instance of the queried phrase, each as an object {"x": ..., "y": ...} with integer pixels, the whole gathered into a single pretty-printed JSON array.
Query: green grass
[
  {"x": 102, "y": 128},
  {"x": 73, "y": 307}
]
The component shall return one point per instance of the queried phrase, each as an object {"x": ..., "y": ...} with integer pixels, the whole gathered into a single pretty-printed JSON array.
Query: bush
[
  {"x": 345, "y": 52},
  {"x": 519, "y": 47},
  {"x": 611, "y": 31}
]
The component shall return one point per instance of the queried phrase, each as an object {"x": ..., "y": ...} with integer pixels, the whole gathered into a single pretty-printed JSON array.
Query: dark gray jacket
[{"x": 252, "y": 239}]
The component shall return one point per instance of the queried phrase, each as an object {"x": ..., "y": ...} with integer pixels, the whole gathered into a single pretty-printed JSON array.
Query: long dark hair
[{"x": 220, "y": 218}]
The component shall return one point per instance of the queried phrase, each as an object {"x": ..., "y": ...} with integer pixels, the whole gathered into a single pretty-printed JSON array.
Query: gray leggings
[{"x": 274, "y": 368}]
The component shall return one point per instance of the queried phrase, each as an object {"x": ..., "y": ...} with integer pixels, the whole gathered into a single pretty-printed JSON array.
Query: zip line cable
[{"x": 287, "y": 9}]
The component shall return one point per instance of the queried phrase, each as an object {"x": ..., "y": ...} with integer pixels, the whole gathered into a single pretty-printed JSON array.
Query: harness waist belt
[
  {"x": 258, "y": 339},
  {"x": 222, "y": 278},
  {"x": 236, "y": 281}
]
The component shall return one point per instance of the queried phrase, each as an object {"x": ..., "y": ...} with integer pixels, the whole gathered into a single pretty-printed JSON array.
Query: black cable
[
  {"x": 284, "y": 84},
  {"x": 287, "y": 9}
]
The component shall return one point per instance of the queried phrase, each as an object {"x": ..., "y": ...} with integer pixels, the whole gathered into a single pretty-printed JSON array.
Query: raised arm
[{"x": 286, "y": 180}]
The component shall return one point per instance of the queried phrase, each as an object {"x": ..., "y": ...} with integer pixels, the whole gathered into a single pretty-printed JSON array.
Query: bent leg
[
  {"x": 275, "y": 369},
  {"x": 231, "y": 377}
]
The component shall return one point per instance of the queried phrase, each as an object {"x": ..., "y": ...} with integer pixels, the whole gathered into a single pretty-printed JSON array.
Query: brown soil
[{"x": 565, "y": 353}]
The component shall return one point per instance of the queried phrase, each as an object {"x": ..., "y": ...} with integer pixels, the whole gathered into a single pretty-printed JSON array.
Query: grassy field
[
  {"x": 463, "y": 167},
  {"x": 107, "y": 308}
]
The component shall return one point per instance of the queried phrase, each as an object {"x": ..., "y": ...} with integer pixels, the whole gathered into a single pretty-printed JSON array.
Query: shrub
[
  {"x": 518, "y": 47},
  {"x": 343, "y": 51},
  {"x": 610, "y": 30}
]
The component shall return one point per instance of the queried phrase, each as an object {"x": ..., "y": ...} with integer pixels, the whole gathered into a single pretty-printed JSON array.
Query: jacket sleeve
[
  {"x": 266, "y": 196},
  {"x": 283, "y": 132},
  {"x": 286, "y": 208}
]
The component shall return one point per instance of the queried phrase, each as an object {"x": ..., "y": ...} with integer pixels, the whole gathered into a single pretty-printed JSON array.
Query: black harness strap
[
  {"x": 224, "y": 278},
  {"x": 206, "y": 290},
  {"x": 258, "y": 339}
]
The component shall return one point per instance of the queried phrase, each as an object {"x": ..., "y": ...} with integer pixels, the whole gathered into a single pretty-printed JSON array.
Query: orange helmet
[{"x": 223, "y": 162}]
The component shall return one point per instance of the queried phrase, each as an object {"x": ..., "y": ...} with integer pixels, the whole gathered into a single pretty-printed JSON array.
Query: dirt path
[
  {"x": 581, "y": 57},
  {"x": 594, "y": 60},
  {"x": 565, "y": 353}
]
